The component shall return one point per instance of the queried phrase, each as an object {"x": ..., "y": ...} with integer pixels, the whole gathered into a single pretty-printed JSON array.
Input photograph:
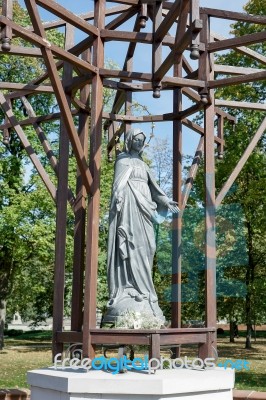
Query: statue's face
[{"x": 138, "y": 142}]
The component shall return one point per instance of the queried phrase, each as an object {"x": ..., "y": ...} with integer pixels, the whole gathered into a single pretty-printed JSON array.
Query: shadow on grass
[
  {"x": 257, "y": 352},
  {"x": 33, "y": 350},
  {"x": 247, "y": 380}
]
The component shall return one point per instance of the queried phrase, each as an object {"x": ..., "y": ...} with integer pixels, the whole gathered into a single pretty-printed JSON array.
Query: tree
[
  {"x": 22, "y": 223},
  {"x": 242, "y": 214},
  {"x": 251, "y": 182}
]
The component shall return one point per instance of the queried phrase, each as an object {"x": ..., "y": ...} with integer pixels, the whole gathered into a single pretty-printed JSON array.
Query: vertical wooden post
[
  {"x": 61, "y": 214},
  {"x": 209, "y": 170},
  {"x": 94, "y": 203},
  {"x": 220, "y": 147},
  {"x": 6, "y": 132},
  {"x": 128, "y": 102},
  {"x": 156, "y": 47},
  {"x": 154, "y": 348},
  {"x": 210, "y": 249},
  {"x": 6, "y": 34},
  {"x": 177, "y": 196},
  {"x": 80, "y": 217},
  {"x": 194, "y": 14}
]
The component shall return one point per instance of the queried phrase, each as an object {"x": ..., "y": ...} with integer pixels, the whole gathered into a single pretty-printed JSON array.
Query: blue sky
[{"x": 142, "y": 62}]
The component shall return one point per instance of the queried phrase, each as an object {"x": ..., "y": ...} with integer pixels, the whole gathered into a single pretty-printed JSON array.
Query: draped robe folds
[{"x": 137, "y": 202}]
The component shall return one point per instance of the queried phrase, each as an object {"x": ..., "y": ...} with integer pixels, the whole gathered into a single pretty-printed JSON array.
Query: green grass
[
  {"x": 32, "y": 350},
  {"x": 29, "y": 339},
  {"x": 255, "y": 379},
  {"x": 24, "y": 352}
]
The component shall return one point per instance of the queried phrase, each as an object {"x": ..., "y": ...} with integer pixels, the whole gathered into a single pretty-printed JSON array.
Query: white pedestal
[{"x": 183, "y": 384}]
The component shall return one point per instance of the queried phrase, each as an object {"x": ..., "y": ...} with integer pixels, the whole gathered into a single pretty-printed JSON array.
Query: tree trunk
[
  {"x": 2, "y": 322},
  {"x": 232, "y": 336},
  {"x": 248, "y": 337},
  {"x": 250, "y": 273}
]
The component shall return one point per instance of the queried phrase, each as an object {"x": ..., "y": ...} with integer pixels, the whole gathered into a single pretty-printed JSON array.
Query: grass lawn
[
  {"x": 33, "y": 350},
  {"x": 22, "y": 353},
  {"x": 255, "y": 378}
]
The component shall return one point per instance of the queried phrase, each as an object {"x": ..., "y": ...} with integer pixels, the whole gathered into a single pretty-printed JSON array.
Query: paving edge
[{"x": 248, "y": 395}]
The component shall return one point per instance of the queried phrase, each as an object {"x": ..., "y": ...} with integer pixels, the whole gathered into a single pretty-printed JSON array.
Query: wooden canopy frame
[{"x": 191, "y": 33}]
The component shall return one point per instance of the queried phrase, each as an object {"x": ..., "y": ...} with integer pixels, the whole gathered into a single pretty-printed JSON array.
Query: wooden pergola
[{"x": 183, "y": 26}]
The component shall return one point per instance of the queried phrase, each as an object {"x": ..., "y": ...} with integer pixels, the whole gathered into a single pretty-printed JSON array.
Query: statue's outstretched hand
[{"x": 172, "y": 205}]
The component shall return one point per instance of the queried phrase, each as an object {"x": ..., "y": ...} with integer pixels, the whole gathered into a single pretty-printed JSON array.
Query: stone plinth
[{"x": 183, "y": 384}]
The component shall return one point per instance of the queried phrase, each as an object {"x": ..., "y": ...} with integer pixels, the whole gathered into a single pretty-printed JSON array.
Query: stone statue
[{"x": 137, "y": 202}]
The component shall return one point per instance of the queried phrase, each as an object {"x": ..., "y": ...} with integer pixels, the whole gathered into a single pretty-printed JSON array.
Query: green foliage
[
  {"x": 107, "y": 171},
  {"x": 27, "y": 213},
  {"x": 241, "y": 220}
]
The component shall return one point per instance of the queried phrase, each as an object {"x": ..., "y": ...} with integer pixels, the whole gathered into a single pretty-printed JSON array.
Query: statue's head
[{"x": 133, "y": 139}]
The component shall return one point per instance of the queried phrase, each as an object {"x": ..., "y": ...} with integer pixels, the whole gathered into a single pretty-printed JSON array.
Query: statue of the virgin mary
[{"x": 137, "y": 203}]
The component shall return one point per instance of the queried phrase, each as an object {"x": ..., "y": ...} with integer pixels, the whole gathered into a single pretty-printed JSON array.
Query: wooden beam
[
  {"x": 40, "y": 41},
  {"x": 190, "y": 110},
  {"x": 61, "y": 209},
  {"x": 182, "y": 39},
  {"x": 6, "y": 31},
  {"x": 243, "y": 50},
  {"x": 186, "y": 65},
  {"x": 220, "y": 134},
  {"x": 168, "y": 21},
  {"x": 91, "y": 265},
  {"x": 210, "y": 245},
  {"x": 42, "y": 137},
  {"x": 192, "y": 172},
  {"x": 122, "y": 18},
  {"x": 23, "y": 51},
  {"x": 237, "y": 80},
  {"x": 236, "y": 16},
  {"x": 111, "y": 73},
  {"x": 195, "y": 41},
  {"x": 80, "y": 217},
  {"x": 192, "y": 95},
  {"x": 224, "y": 114},
  {"x": 193, "y": 126},
  {"x": 26, "y": 87},
  {"x": 46, "y": 145},
  {"x": 120, "y": 96},
  {"x": 129, "y": 2},
  {"x": 167, "y": 82},
  {"x": 68, "y": 16},
  {"x": 156, "y": 47},
  {"x": 61, "y": 97},
  {"x": 134, "y": 87},
  {"x": 41, "y": 118},
  {"x": 114, "y": 137},
  {"x": 176, "y": 52},
  {"x": 125, "y": 36},
  {"x": 232, "y": 43},
  {"x": 205, "y": 73},
  {"x": 143, "y": 118},
  {"x": 176, "y": 298},
  {"x": 241, "y": 104},
  {"x": 27, "y": 146},
  {"x": 198, "y": 129},
  {"x": 241, "y": 163},
  {"x": 77, "y": 49},
  {"x": 232, "y": 70},
  {"x": 87, "y": 17}
]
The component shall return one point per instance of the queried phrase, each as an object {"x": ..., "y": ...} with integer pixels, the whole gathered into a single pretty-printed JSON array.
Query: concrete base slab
[{"x": 183, "y": 384}]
